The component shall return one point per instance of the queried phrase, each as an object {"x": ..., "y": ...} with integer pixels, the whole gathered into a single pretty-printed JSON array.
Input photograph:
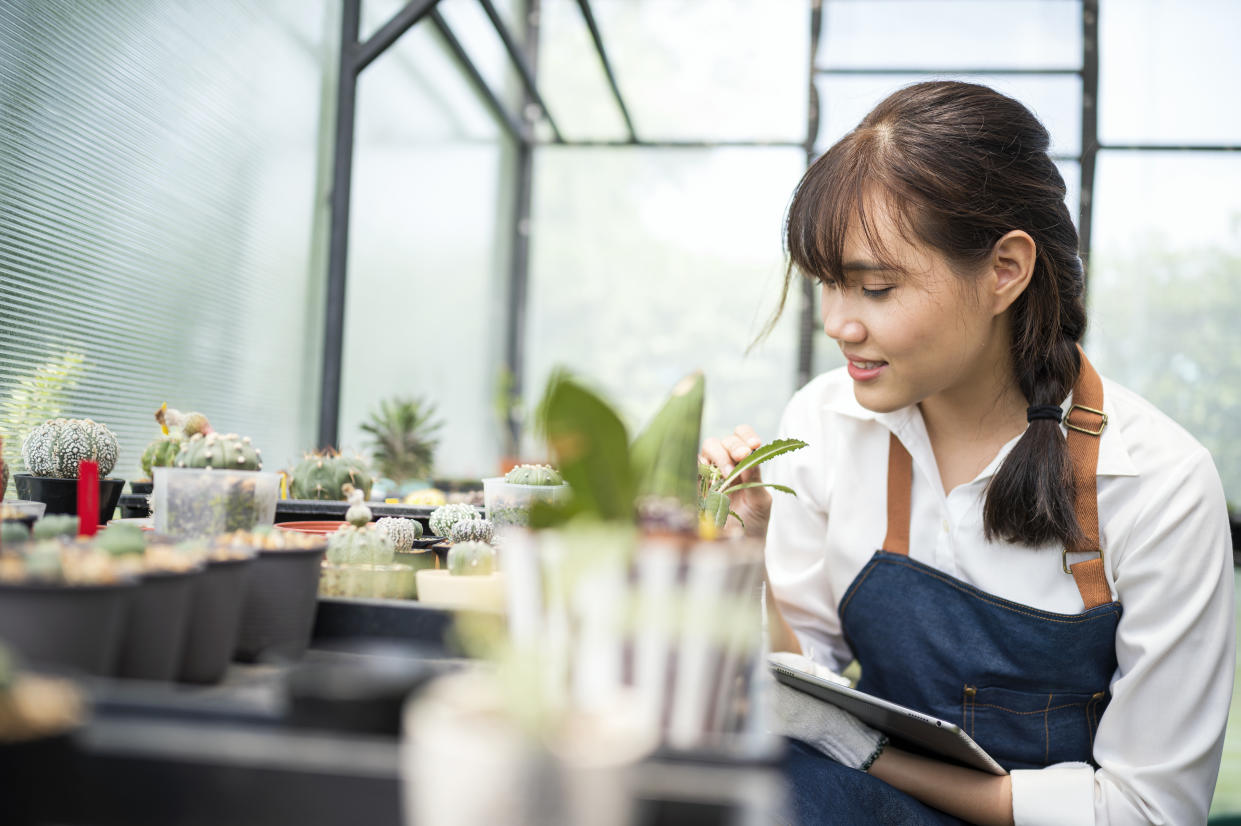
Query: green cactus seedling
[
  {"x": 55, "y": 527},
  {"x": 324, "y": 475},
  {"x": 471, "y": 559},
  {"x": 534, "y": 475}
]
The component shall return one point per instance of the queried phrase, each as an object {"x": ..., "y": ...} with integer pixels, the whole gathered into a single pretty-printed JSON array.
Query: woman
[{"x": 1055, "y": 573}]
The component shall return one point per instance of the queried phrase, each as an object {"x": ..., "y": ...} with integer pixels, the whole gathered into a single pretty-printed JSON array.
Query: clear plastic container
[
  {"x": 22, "y": 510},
  {"x": 509, "y": 505},
  {"x": 193, "y": 502}
]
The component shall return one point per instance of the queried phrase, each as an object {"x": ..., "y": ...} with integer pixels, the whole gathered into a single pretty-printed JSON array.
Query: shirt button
[{"x": 945, "y": 526}]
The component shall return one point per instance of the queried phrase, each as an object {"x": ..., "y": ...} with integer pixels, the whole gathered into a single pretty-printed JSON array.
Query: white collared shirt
[{"x": 1167, "y": 551}]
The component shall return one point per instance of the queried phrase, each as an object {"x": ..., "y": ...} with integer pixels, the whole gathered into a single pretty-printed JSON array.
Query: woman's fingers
[
  {"x": 747, "y": 434},
  {"x": 725, "y": 453}
]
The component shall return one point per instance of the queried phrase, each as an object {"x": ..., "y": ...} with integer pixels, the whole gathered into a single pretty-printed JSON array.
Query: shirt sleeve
[
  {"x": 1159, "y": 742},
  {"x": 796, "y": 549}
]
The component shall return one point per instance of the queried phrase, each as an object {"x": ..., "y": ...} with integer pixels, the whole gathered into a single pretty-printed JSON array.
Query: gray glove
[{"x": 831, "y": 730}]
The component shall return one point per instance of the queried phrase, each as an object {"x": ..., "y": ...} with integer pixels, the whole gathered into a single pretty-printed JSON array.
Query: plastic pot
[
  {"x": 215, "y": 617},
  {"x": 198, "y": 502},
  {"x": 155, "y": 626},
  {"x": 141, "y": 488},
  {"x": 61, "y": 495},
  {"x": 72, "y": 626},
  {"x": 278, "y": 611}
]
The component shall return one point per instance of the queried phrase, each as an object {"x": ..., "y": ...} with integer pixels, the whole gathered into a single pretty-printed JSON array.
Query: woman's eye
[{"x": 876, "y": 292}]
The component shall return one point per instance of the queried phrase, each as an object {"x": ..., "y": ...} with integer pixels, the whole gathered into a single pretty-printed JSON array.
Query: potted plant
[
  {"x": 175, "y": 428},
  {"x": 509, "y": 498},
  {"x": 216, "y": 485},
  {"x": 403, "y": 439},
  {"x": 52, "y": 453},
  {"x": 360, "y": 559}
]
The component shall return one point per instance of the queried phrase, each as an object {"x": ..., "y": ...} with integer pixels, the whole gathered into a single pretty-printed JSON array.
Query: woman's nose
[{"x": 839, "y": 320}]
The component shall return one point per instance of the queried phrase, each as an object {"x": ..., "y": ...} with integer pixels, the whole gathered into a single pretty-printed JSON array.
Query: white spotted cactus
[
  {"x": 445, "y": 516},
  {"x": 55, "y": 447},
  {"x": 471, "y": 530},
  {"x": 401, "y": 531},
  {"x": 534, "y": 475}
]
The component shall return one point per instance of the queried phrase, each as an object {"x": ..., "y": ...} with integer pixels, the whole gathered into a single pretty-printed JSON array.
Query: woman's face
[{"x": 912, "y": 335}]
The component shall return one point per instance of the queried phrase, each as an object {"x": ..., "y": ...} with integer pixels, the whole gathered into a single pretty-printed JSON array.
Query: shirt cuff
[{"x": 1059, "y": 795}]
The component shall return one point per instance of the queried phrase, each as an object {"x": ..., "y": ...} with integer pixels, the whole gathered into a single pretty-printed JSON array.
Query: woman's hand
[{"x": 753, "y": 505}]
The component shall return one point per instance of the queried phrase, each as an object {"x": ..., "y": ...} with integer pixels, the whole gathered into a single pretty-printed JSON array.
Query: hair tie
[{"x": 1044, "y": 411}]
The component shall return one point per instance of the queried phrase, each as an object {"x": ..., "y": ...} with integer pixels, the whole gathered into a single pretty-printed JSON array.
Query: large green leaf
[
  {"x": 762, "y": 454},
  {"x": 590, "y": 446},
  {"x": 665, "y": 454}
]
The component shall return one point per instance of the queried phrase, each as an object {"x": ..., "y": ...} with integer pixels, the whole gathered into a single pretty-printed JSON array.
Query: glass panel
[
  {"x": 1055, "y": 99},
  {"x": 571, "y": 76},
  {"x": 470, "y": 25},
  {"x": 158, "y": 186},
  {"x": 1163, "y": 290},
  {"x": 1168, "y": 72},
  {"x": 676, "y": 269},
  {"x": 724, "y": 70},
  {"x": 951, "y": 34},
  {"x": 428, "y": 258}
]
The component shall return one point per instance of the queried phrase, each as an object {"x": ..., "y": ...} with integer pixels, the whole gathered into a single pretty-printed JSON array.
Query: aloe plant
[
  {"x": 714, "y": 487},
  {"x": 403, "y": 438}
]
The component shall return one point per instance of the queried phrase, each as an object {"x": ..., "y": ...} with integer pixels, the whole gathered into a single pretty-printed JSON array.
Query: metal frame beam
[
  {"x": 517, "y": 131},
  {"x": 1090, "y": 128},
  {"x": 524, "y": 67},
  {"x": 595, "y": 35},
  {"x": 806, "y": 326}
]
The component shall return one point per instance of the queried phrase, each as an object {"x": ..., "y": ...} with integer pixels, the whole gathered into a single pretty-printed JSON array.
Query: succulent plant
[
  {"x": 445, "y": 516},
  {"x": 325, "y": 474},
  {"x": 55, "y": 447},
  {"x": 471, "y": 559},
  {"x": 176, "y": 423},
  {"x": 403, "y": 438},
  {"x": 13, "y": 533},
  {"x": 401, "y": 531},
  {"x": 216, "y": 450},
  {"x": 55, "y": 527},
  {"x": 122, "y": 540},
  {"x": 534, "y": 475},
  {"x": 161, "y": 452},
  {"x": 359, "y": 542},
  {"x": 714, "y": 487},
  {"x": 471, "y": 530}
]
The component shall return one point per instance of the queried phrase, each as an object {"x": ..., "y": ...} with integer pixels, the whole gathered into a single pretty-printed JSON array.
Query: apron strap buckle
[
  {"x": 1083, "y": 428},
  {"x": 1064, "y": 557}
]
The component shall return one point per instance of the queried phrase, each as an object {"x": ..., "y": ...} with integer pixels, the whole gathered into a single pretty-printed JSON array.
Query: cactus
[
  {"x": 471, "y": 530},
  {"x": 13, "y": 533},
  {"x": 217, "y": 450},
  {"x": 402, "y": 532},
  {"x": 55, "y": 527},
  {"x": 445, "y": 516},
  {"x": 714, "y": 487},
  {"x": 534, "y": 475},
  {"x": 122, "y": 540},
  {"x": 366, "y": 545},
  {"x": 324, "y": 476},
  {"x": 55, "y": 447},
  {"x": 471, "y": 559},
  {"x": 161, "y": 452}
]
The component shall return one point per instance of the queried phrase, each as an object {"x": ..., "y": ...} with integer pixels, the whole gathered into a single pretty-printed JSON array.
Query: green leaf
[
  {"x": 762, "y": 454},
  {"x": 664, "y": 456},
  {"x": 781, "y": 488},
  {"x": 739, "y": 519},
  {"x": 590, "y": 446}
]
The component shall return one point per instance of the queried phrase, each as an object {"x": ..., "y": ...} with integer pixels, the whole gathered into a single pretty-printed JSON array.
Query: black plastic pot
[
  {"x": 278, "y": 612},
  {"x": 215, "y": 617},
  {"x": 61, "y": 495},
  {"x": 135, "y": 505},
  {"x": 155, "y": 625},
  {"x": 72, "y": 626},
  {"x": 141, "y": 488},
  {"x": 360, "y": 690},
  {"x": 34, "y": 773}
]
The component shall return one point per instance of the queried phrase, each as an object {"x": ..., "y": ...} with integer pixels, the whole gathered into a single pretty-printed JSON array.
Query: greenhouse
[{"x": 453, "y": 412}]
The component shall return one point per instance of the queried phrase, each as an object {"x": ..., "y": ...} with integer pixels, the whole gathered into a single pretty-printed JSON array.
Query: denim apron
[{"x": 1027, "y": 685}]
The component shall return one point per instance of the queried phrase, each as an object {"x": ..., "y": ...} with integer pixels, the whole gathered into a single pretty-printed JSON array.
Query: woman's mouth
[{"x": 865, "y": 370}]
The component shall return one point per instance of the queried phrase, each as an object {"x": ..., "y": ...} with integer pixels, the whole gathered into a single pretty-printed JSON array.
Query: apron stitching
[
  {"x": 1006, "y": 607},
  {"x": 853, "y": 589},
  {"x": 1047, "y": 732},
  {"x": 1028, "y": 713}
]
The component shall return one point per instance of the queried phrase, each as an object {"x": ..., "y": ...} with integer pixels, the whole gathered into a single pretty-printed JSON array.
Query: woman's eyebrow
[{"x": 864, "y": 266}]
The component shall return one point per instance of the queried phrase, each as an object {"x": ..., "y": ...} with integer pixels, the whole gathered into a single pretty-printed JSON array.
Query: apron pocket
[{"x": 1028, "y": 729}]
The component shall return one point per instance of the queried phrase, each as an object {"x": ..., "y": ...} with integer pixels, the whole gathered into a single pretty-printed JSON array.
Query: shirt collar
[{"x": 906, "y": 423}]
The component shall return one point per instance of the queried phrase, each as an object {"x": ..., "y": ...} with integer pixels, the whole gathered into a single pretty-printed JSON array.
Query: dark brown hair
[{"x": 961, "y": 165}]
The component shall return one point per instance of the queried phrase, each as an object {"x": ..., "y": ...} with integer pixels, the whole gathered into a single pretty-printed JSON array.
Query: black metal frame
[{"x": 355, "y": 56}]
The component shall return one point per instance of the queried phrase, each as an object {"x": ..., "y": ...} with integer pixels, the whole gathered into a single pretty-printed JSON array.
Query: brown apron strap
[
  {"x": 1085, "y": 423},
  {"x": 900, "y": 485}
]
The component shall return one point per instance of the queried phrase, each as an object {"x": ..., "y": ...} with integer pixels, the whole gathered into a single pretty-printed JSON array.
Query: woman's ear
[{"x": 1012, "y": 265}]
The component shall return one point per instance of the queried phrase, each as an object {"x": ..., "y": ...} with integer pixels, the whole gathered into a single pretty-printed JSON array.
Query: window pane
[
  {"x": 1055, "y": 99},
  {"x": 428, "y": 257},
  {"x": 1163, "y": 290},
  {"x": 724, "y": 70},
  {"x": 1168, "y": 72},
  {"x": 951, "y": 34},
  {"x": 571, "y": 77},
  {"x": 157, "y": 202},
  {"x": 649, "y": 264}
]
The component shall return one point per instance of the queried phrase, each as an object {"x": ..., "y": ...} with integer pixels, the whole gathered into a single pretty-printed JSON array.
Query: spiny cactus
[
  {"x": 471, "y": 559},
  {"x": 444, "y": 517},
  {"x": 471, "y": 530},
  {"x": 401, "y": 531},
  {"x": 534, "y": 475},
  {"x": 359, "y": 543},
  {"x": 55, "y": 447},
  {"x": 217, "y": 450},
  {"x": 324, "y": 476},
  {"x": 161, "y": 452}
]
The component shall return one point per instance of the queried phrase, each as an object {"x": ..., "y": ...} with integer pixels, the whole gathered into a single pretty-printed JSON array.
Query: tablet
[{"x": 930, "y": 734}]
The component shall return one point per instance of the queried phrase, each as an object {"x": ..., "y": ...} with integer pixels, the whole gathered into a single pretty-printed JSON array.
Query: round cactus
[
  {"x": 445, "y": 516},
  {"x": 324, "y": 476},
  {"x": 471, "y": 559},
  {"x": 217, "y": 450},
  {"x": 367, "y": 545},
  {"x": 471, "y": 530},
  {"x": 534, "y": 475},
  {"x": 160, "y": 453},
  {"x": 55, "y": 447},
  {"x": 401, "y": 531}
]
